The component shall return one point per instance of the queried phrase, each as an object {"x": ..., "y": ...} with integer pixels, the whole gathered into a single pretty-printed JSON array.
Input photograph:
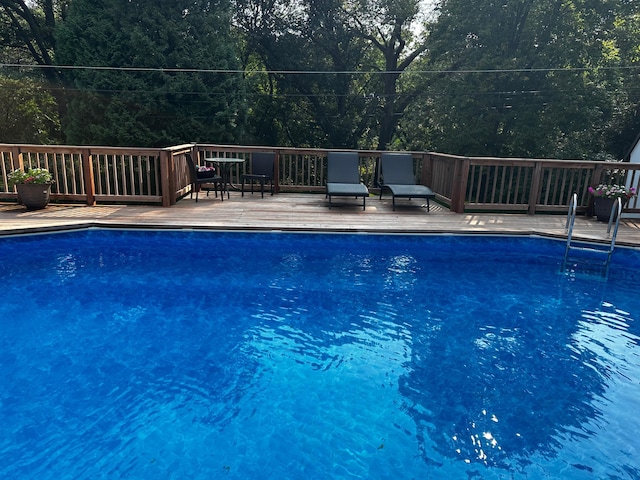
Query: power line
[
  {"x": 315, "y": 72},
  {"x": 328, "y": 95}
]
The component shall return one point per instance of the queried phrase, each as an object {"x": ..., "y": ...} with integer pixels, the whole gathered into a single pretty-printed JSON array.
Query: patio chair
[
  {"x": 262, "y": 165},
  {"x": 398, "y": 177},
  {"x": 343, "y": 177},
  {"x": 198, "y": 179}
]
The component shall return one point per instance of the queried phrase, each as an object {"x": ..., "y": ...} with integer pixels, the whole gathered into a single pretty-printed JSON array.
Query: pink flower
[{"x": 612, "y": 191}]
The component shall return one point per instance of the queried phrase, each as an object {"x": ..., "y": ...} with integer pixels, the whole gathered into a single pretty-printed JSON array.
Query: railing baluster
[{"x": 108, "y": 174}]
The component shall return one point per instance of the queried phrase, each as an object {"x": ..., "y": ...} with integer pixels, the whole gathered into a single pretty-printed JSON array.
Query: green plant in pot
[
  {"x": 33, "y": 186},
  {"x": 604, "y": 197}
]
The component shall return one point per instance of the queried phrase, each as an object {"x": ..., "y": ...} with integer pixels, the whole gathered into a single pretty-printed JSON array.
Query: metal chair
[
  {"x": 202, "y": 178},
  {"x": 262, "y": 167}
]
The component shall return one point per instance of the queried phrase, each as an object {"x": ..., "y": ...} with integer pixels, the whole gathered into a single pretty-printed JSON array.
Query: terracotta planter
[
  {"x": 34, "y": 196},
  {"x": 602, "y": 208}
]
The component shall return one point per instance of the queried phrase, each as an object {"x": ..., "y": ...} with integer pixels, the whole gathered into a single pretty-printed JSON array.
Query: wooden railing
[
  {"x": 464, "y": 184},
  {"x": 89, "y": 174},
  {"x": 524, "y": 185}
]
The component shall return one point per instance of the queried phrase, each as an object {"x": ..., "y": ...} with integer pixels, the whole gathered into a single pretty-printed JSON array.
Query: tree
[
  {"x": 151, "y": 73},
  {"x": 623, "y": 51},
  {"x": 357, "y": 51},
  {"x": 27, "y": 31},
  {"x": 312, "y": 97},
  {"x": 521, "y": 78},
  {"x": 27, "y": 38},
  {"x": 388, "y": 26},
  {"x": 28, "y": 113}
]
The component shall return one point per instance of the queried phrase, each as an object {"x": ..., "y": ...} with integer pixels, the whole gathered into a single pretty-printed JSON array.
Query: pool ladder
[{"x": 588, "y": 253}]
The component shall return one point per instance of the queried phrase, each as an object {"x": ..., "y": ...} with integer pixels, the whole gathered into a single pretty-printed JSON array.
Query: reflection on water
[{"x": 502, "y": 389}]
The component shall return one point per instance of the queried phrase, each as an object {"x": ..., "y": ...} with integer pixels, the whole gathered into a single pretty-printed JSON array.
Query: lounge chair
[
  {"x": 398, "y": 177},
  {"x": 261, "y": 171},
  {"x": 209, "y": 177},
  {"x": 343, "y": 177}
]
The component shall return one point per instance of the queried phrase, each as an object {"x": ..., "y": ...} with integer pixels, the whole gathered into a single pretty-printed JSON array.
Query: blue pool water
[{"x": 175, "y": 355}]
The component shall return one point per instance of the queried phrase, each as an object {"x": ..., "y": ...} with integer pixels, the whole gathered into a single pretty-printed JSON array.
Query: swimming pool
[{"x": 139, "y": 354}]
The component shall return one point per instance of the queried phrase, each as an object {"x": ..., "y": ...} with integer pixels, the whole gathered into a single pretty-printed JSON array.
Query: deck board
[{"x": 305, "y": 212}]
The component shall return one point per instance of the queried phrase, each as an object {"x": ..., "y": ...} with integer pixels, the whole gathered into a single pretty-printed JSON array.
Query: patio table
[{"x": 225, "y": 165}]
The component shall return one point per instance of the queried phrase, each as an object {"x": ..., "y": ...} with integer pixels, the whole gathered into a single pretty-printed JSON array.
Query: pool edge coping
[{"x": 20, "y": 231}]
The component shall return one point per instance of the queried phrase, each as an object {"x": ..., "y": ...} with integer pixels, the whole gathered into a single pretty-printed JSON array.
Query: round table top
[{"x": 224, "y": 160}]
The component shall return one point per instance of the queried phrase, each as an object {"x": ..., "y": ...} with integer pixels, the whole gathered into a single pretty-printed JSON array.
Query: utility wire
[
  {"x": 315, "y": 72},
  {"x": 328, "y": 95},
  {"x": 250, "y": 94}
]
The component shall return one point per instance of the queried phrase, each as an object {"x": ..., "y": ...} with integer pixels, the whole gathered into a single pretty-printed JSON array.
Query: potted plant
[
  {"x": 604, "y": 196},
  {"x": 33, "y": 186}
]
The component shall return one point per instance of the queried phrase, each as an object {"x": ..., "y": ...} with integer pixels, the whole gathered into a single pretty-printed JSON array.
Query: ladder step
[
  {"x": 587, "y": 261},
  {"x": 590, "y": 249},
  {"x": 586, "y": 268}
]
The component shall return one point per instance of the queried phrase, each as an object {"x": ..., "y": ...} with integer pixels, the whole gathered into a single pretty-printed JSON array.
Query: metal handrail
[
  {"x": 571, "y": 216},
  {"x": 568, "y": 227},
  {"x": 617, "y": 205}
]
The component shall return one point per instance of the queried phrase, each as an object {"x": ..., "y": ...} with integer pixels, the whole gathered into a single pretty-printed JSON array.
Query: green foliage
[
  {"x": 149, "y": 97},
  {"x": 29, "y": 112},
  {"x": 304, "y": 109},
  {"x": 26, "y": 30},
  {"x": 352, "y": 103},
  {"x": 523, "y": 78}
]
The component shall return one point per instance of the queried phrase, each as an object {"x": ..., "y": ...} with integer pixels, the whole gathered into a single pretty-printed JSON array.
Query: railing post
[
  {"x": 597, "y": 175},
  {"x": 426, "y": 171},
  {"x": 460, "y": 180},
  {"x": 276, "y": 172},
  {"x": 167, "y": 180},
  {"x": 89, "y": 178},
  {"x": 16, "y": 158},
  {"x": 536, "y": 183}
]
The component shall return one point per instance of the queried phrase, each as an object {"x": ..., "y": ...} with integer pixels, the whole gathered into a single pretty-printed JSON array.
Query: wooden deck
[{"x": 303, "y": 212}]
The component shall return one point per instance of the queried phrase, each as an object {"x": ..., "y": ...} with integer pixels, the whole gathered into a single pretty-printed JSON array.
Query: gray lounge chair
[
  {"x": 343, "y": 177},
  {"x": 398, "y": 177}
]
